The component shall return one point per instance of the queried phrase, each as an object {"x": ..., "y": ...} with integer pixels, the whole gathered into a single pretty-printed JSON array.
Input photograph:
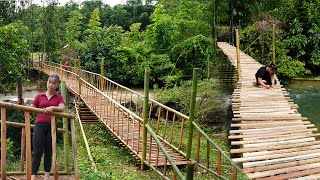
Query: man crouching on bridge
[{"x": 266, "y": 74}]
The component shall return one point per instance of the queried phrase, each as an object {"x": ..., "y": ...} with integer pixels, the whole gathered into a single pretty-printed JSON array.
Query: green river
[{"x": 306, "y": 94}]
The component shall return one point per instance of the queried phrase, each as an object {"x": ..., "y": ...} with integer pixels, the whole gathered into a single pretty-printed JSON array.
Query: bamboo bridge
[
  {"x": 121, "y": 109},
  {"x": 268, "y": 136}
]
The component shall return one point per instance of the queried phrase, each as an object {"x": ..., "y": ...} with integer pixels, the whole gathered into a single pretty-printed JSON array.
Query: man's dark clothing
[{"x": 264, "y": 74}]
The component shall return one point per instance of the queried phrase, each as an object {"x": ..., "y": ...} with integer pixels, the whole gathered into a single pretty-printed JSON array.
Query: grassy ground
[{"x": 112, "y": 160}]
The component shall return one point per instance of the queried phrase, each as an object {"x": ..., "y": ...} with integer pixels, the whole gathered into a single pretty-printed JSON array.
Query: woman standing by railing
[{"x": 50, "y": 101}]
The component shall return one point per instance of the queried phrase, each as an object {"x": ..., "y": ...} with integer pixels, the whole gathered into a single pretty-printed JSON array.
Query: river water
[{"x": 307, "y": 95}]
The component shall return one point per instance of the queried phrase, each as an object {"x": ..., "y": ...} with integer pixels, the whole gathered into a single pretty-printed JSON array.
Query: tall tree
[{"x": 73, "y": 29}]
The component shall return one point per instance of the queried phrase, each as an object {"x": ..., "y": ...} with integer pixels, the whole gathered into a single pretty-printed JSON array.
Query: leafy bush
[{"x": 211, "y": 108}]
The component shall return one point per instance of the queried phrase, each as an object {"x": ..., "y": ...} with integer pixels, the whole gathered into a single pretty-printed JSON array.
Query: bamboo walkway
[
  {"x": 268, "y": 135},
  {"x": 125, "y": 125}
]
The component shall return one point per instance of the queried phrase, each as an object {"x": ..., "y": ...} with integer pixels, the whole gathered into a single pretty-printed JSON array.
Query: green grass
[{"x": 112, "y": 160}]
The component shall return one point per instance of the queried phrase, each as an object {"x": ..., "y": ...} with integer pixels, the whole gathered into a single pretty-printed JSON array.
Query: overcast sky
[{"x": 63, "y": 2}]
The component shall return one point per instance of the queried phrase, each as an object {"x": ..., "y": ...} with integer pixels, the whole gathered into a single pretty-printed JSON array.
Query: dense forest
[{"x": 170, "y": 36}]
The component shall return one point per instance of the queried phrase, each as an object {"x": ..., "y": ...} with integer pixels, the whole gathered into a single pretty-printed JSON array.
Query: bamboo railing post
[
  {"x": 102, "y": 75},
  {"x": 273, "y": 44},
  {"x": 28, "y": 145},
  {"x": 190, "y": 167},
  {"x": 54, "y": 148},
  {"x": 79, "y": 62},
  {"x": 60, "y": 73},
  {"x": 190, "y": 170},
  {"x": 192, "y": 111},
  {"x": 79, "y": 85},
  {"x": 74, "y": 147},
  {"x": 238, "y": 52},
  {"x": 145, "y": 117},
  {"x": 65, "y": 127},
  {"x": 23, "y": 147},
  {"x": 3, "y": 144}
]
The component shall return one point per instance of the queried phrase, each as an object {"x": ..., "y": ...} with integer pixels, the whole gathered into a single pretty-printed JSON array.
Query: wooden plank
[
  {"x": 293, "y": 174},
  {"x": 267, "y": 124},
  {"x": 280, "y": 151},
  {"x": 269, "y": 118},
  {"x": 256, "y": 141},
  {"x": 280, "y": 143},
  {"x": 281, "y": 165},
  {"x": 273, "y": 129},
  {"x": 283, "y": 170},
  {"x": 274, "y": 156},
  {"x": 280, "y": 160},
  {"x": 286, "y": 146},
  {"x": 275, "y": 134}
]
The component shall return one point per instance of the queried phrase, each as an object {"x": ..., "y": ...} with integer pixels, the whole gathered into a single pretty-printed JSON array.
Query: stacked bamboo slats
[{"x": 268, "y": 135}]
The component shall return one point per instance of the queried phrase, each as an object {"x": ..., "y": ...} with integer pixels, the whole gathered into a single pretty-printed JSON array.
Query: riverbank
[{"x": 307, "y": 78}]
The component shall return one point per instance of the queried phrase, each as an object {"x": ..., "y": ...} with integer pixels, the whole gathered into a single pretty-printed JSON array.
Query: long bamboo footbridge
[
  {"x": 267, "y": 133},
  {"x": 121, "y": 109}
]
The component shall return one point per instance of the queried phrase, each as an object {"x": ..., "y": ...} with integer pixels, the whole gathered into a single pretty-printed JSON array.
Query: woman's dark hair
[
  {"x": 273, "y": 67},
  {"x": 57, "y": 78}
]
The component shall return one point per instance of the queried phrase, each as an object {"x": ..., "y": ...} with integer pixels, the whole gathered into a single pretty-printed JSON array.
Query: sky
[{"x": 63, "y": 2}]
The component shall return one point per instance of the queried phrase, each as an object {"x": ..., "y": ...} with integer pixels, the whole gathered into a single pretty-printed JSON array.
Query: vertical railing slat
[
  {"x": 74, "y": 147},
  {"x": 28, "y": 145},
  {"x": 54, "y": 148},
  {"x": 3, "y": 143},
  {"x": 23, "y": 147}
]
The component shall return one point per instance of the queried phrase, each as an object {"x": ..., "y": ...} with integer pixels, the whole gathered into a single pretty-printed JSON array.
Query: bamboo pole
[
  {"x": 60, "y": 70},
  {"x": 23, "y": 147},
  {"x": 86, "y": 142},
  {"x": 145, "y": 116},
  {"x": 20, "y": 90},
  {"x": 192, "y": 111},
  {"x": 74, "y": 147},
  {"x": 273, "y": 44},
  {"x": 54, "y": 147},
  {"x": 238, "y": 52},
  {"x": 190, "y": 167},
  {"x": 190, "y": 170},
  {"x": 28, "y": 145},
  {"x": 65, "y": 127},
  {"x": 102, "y": 75},
  {"x": 3, "y": 144},
  {"x": 79, "y": 85}
]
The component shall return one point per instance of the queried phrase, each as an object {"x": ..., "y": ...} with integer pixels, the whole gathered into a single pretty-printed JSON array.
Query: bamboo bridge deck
[
  {"x": 268, "y": 136},
  {"x": 112, "y": 105}
]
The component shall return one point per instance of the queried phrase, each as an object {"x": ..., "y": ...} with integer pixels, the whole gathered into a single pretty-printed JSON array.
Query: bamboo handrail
[
  {"x": 34, "y": 110},
  {"x": 21, "y": 125}
]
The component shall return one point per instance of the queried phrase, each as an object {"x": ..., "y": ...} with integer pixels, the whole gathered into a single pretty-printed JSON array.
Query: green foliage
[
  {"x": 211, "y": 107},
  {"x": 73, "y": 27},
  {"x": 193, "y": 53},
  {"x": 9, "y": 150},
  {"x": 291, "y": 68},
  {"x": 14, "y": 54}
]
